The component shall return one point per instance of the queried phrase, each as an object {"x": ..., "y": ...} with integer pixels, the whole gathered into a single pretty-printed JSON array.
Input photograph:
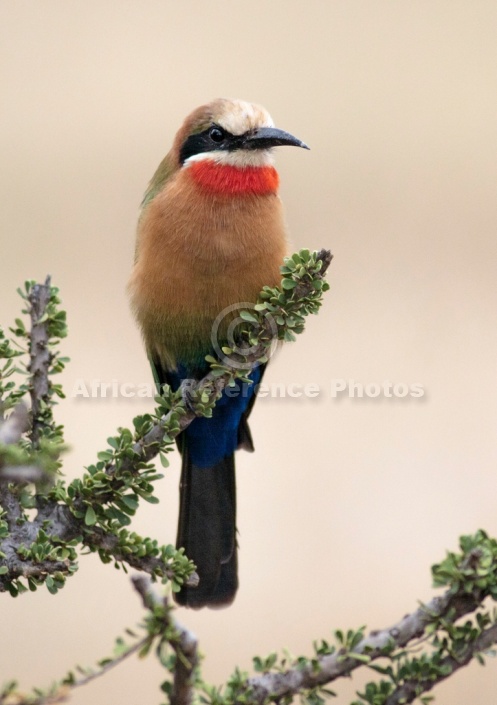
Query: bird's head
[
  {"x": 226, "y": 147},
  {"x": 231, "y": 132}
]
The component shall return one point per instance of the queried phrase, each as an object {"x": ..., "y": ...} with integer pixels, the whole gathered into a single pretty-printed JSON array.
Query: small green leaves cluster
[
  {"x": 164, "y": 562},
  {"x": 417, "y": 672},
  {"x": 4, "y": 528},
  {"x": 43, "y": 551},
  {"x": 55, "y": 563},
  {"x": 107, "y": 496},
  {"x": 236, "y": 690},
  {"x": 474, "y": 568},
  {"x": 472, "y": 572},
  {"x": 348, "y": 642},
  {"x": 289, "y": 304},
  {"x": 10, "y": 392},
  {"x": 54, "y": 321},
  {"x": 172, "y": 405},
  {"x": 204, "y": 396},
  {"x": 316, "y": 696},
  {"x": 54, "y": 317},
  {"x": 447, "y": 641},
  {"x": 16, "y": 383},
  {"x": 279, "y": 314}
]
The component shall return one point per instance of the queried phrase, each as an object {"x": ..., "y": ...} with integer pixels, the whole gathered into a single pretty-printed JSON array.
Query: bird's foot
[{"x": 188, "y": 388}]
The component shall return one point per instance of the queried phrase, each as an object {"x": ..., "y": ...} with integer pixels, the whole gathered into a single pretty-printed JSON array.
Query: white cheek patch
[
  {"x": 240, "y": 158},
  {"x": 243, "y": 117}
]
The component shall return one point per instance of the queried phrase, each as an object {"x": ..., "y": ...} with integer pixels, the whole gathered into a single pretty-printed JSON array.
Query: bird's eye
[{"x": 216, "y": 134}]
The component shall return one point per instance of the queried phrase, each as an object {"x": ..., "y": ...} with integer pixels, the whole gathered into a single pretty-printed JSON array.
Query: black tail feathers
[{"x": 207, "y": 532}]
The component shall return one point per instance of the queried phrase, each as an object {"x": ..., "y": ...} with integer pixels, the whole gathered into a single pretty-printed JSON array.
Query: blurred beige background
[{"x": 347, "y": 502}]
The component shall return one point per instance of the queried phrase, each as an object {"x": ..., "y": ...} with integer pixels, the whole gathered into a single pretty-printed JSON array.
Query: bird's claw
[{"x": 187, "y": 389}]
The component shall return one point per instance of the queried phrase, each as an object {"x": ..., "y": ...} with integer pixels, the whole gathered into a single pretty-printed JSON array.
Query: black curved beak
[{"x": 267, "y": 137}]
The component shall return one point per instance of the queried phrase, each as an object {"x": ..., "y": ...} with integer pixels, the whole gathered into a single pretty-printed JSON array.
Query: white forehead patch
[{"x": 241, "y": 117}]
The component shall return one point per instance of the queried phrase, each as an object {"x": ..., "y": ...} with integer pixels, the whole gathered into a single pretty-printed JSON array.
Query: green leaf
[
  {"x": 51, "y": 586},
  {"x": 363, "y": 658},
  {"x": 130, "y": 501},
  {"x": 90, "y": 516},
  {"x": 120, "y": 516},
  {"x": 247, "y": 316},
  {"x": 149, "y": 498}
]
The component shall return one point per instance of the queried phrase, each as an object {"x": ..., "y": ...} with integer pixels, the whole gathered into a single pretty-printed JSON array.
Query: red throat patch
[{"x": 232, "y": 180}]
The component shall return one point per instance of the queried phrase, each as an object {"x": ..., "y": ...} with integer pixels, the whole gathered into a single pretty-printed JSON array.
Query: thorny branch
[
  {"x": 183, "y": 642},
  {"x": 62, "y": 522},
  {"x": 58, "y": 522},
  {"x": 278, "y": 685},
  {"x": 39, "y": 352},
  {"x": 409, "y": 691},
  {"x": 281, "y": 686}
]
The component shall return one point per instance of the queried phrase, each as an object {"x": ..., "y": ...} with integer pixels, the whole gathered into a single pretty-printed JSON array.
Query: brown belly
[{"x": 197, "y": 255}]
